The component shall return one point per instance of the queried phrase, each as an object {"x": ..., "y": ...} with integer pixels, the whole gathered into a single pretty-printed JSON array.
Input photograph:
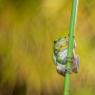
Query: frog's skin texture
[{"x": 60, "y": 56}]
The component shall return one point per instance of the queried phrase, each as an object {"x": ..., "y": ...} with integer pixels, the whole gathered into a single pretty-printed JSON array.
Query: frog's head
[{"x": 60, "y": 44}]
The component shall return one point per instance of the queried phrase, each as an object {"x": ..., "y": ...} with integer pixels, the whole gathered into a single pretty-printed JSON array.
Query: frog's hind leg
[
  {"x": 61, "y": 69},
  {"x": 75, "y": 64}
]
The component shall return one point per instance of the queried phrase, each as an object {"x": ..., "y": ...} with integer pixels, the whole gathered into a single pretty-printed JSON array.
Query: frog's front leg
[{"x": 54, "y": 59}]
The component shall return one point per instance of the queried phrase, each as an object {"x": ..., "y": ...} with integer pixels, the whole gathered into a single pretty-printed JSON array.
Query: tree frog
[{"x": 60, "y": 56}]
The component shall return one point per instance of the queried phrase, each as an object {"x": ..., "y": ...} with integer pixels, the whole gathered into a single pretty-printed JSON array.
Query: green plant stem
[{"x": 70, "y": 46}]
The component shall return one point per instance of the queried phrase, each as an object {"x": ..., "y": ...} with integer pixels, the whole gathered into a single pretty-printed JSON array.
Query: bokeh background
[{"x": 27, "y": 31}]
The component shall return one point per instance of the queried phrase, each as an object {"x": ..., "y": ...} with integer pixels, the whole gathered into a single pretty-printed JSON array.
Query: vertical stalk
[{"x": 70, "y": 46}]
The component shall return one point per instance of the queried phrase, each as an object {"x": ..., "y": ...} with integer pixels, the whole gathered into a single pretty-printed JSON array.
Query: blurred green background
[{"x": 27, "y": 31}]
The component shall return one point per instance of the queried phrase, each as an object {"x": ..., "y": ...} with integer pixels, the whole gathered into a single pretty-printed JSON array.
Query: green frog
[{"x": 60, "y": 56}]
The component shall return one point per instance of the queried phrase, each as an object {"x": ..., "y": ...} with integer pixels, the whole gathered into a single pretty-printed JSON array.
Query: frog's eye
[{"x": 55, "y": 42}]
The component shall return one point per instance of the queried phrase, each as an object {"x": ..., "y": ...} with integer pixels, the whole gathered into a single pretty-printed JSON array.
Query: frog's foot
[
  {"x": 61, "y": 69},
  {"x": 75, "y": 64}
]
